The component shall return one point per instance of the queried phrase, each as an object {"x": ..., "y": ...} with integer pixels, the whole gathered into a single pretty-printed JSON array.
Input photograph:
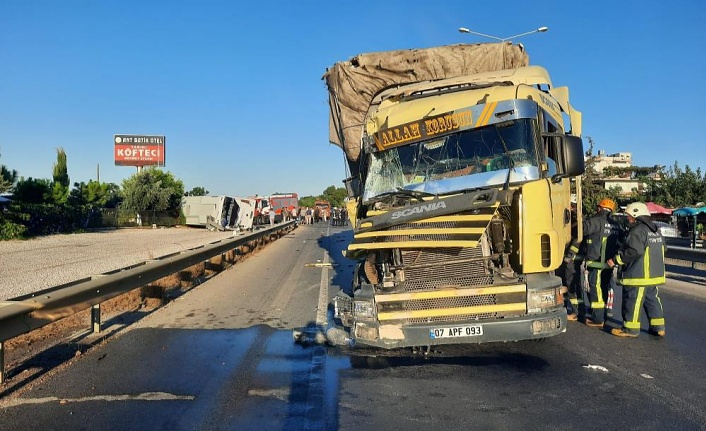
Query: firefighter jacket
[
  {"x": 601, "y": 238},
  {"x": 641, "y": 258}
]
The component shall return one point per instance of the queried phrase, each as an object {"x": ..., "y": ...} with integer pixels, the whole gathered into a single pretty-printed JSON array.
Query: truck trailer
[{"x": 461, "y": 161}]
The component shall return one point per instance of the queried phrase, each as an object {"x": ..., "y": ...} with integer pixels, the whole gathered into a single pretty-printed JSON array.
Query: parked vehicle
[{"x": 667, "y": 230}]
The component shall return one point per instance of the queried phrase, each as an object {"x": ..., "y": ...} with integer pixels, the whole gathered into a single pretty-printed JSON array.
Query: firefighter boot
[{"x": 620, "y": 333}]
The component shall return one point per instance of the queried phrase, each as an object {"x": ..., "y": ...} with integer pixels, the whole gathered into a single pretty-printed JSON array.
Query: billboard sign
[{"x": 139, "y": 150}]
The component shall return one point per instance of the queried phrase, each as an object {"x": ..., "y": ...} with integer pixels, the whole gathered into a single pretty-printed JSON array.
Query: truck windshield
[{"x": 467, "y": 159}]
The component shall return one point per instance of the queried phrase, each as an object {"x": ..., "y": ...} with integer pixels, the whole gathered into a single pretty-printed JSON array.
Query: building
[{"x": 626, "y": 183}]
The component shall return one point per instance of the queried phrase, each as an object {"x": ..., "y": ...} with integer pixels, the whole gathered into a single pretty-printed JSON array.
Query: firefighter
[
  {"x": 641, "y": 271},
  {"x": 572, "y": 274},
  {"x": 601, "y": 236}
]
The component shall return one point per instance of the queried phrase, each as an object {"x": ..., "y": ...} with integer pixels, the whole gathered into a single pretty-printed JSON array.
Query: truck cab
[{"x": 461, "y": 202}]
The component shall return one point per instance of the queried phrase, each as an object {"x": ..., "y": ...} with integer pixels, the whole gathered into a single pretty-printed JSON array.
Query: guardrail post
[
  {"x": 2, "y": 362},
  {"x": 96, "y": 318}
]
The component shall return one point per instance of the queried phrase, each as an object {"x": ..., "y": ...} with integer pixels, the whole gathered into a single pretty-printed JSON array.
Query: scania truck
[{"x": 461, "y": 161}]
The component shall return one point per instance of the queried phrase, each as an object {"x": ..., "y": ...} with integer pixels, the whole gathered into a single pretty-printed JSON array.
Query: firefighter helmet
[
  {"x": 608, "y": 204},
  {"x": 637, "y": 209}
]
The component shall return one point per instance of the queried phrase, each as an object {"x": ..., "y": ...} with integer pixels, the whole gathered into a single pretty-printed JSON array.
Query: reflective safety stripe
[
  {"x": 634, "y": 323},
  {"x": 597, "y": 265},
  {"x": 599, "y": 292},
  {"x": 619, "y": 260},
  {"x": 441, "y": 312},
  {"x": 643, "y": 281},
  {"x": 657, "y": 322}
]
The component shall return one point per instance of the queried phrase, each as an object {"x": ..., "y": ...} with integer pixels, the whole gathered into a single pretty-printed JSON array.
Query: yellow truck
[{"x": 461, "y": 165}]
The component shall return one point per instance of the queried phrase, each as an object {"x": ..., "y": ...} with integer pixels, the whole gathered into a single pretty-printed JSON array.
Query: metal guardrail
[
  {"x": 688, "y": 254},
  {"x": 685, "y": 249},
  {"x": 21, "y": 315}
]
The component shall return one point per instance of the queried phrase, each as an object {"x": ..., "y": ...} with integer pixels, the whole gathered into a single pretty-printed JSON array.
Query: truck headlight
[
  {"x": 545, "y": 299},
  {"x": 364, "y": 309}
]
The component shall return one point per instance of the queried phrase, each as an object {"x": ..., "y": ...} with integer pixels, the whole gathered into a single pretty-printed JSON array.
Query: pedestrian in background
[
  {"x": 601, "y": 236},
  {"x": 641, "y": 270},
  {"x": 272, "y": 216}
]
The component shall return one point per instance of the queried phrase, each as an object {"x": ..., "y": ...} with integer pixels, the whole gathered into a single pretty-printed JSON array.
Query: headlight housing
[{"x": 544, "y": 299}]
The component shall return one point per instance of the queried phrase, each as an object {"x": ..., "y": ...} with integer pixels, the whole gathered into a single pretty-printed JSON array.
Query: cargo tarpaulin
[{"x": 353, "y": 84}]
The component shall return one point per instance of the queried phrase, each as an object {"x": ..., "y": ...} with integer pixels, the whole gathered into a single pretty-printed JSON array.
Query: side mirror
[
  {"x": 567, "y": 152},
  {"x": 573, "y": 156},
  {"x": 352, "y": 186}
]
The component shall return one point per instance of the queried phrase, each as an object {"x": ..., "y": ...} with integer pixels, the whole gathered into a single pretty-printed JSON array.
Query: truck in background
[
  {"x": 460, "y": 164},
  {"x": 322, "y": 209},
  {"x": 218, "y": 212}
]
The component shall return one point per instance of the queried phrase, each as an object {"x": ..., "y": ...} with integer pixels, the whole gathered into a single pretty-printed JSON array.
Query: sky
[{"x": 236, "y": 86}]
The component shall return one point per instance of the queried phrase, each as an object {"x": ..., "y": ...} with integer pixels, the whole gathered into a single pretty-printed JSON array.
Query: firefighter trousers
[
  {"x": 599, "y": 283},
  {"x": 573, "y": 279},
  {"x": 634, "y": 298}
]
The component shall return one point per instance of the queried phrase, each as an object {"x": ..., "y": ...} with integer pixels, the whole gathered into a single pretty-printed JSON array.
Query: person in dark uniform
[
  {"x": 571, "y": 274},
  {"x": 641, "y": 270},
  {"x": 601, "y": 236}
]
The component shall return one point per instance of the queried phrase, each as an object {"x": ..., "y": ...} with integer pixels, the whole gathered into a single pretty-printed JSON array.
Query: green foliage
[
  {"x": 8, "y": 178},
  {"x": 44, "y": 219},
  {"x": 592, "y": 190},
  {"x": 59, "y": 193},
  {"x": 152, "y": 190},
  {"x": 11, "y": 230},
  {"x": 32, "y": 191},
  {"x": 678, "y": 188},
  {"x": 307, "y": 201},
  {"x": 335, "y": 195},
  {"x": 106, "y": 195},
  {"x": 60, "y": 171},
  {"x": 197, "y": 191}
]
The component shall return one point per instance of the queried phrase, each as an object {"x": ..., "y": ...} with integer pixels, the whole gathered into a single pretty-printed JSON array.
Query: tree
[
  {"x": 8, "y": 178},
  {"x": 592, "y": 189},
  {"x": 197, "y": 191},
  {"x": 307, "y": 201},
  {"x": 33, "y": 191},
  {"x": 152, "y": 190},
  {"x": 95, "y": 193},
  {"x": 335, "y": 196},
  {"x": 60, "y": 187},
  {"x": 678, "y": 188}
]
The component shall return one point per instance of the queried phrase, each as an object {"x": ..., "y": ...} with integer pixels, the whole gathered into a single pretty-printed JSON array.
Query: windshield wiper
[
  {"x": 400, "y": 192},
  {"x": 511, "y": 162}
]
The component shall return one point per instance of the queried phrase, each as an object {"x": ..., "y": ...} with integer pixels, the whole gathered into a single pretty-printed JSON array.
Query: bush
[{"x": 11, "y": 230}]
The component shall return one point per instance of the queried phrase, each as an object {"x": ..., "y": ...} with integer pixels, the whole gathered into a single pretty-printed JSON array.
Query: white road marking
[
  {"x": 146, "y": 396},
  {"x": 321, "y": 312},
  {"x": 279, "y": 393}
]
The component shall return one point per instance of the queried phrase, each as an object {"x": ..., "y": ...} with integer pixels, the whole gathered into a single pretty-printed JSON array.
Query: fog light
[{"x": 366, "y": 332}]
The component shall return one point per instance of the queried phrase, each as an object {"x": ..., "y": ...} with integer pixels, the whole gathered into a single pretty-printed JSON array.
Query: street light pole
[{"x": 503, "y": 39}]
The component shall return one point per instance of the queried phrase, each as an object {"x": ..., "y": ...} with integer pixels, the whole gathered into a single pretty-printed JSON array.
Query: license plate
[{"x": 456, "y": 331}]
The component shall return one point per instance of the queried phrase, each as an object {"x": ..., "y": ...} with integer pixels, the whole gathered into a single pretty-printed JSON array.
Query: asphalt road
[{"x": 222, "y": 357}]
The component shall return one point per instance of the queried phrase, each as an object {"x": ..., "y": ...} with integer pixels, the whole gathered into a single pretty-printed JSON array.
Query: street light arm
[
  {"x": 465, "y": 30},
  {"x": 539, "y": 30}
]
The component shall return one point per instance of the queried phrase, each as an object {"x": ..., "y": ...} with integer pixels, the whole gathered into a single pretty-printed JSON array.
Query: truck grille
[
  {"x": 444, "y": 267},
  {"x": 449, "y": 284}
]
